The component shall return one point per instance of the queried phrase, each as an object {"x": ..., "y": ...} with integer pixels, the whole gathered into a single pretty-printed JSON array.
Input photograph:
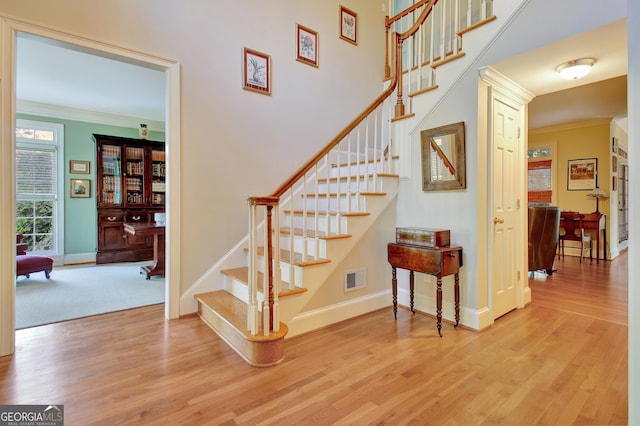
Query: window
[
  {"x": 38, "y": 185},
  {"x": 539, "y": 178},
  {"x": 541, "y": 173}
]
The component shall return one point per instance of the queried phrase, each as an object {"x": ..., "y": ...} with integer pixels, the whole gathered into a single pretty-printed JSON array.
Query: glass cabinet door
[
  {"x": 111, "y": 190},
  {"x": 158, "y": 172},
  {"x": 134, "y": 181}
]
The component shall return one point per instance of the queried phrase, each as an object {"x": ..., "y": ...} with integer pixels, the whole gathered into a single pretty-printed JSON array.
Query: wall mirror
[{"x": 443, "y": 162}]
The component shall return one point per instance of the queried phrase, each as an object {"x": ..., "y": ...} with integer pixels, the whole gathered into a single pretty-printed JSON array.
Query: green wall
[{"x": 80, "y": 215}]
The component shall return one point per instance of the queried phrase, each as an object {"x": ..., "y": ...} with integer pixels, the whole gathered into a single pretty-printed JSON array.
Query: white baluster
[{"x": 291, "y": 245}]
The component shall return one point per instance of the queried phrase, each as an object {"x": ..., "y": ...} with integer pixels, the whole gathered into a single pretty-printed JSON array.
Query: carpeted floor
[{"x": 75, "y": 292}]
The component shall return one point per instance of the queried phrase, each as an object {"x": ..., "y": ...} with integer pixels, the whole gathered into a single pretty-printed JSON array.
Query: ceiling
[
  {"x": 601, "y": 94},
  {"x": 52, "y": 73}
]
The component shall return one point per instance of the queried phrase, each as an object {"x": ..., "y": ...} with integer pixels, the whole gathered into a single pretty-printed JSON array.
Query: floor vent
[{"x": 355, "y": 279}]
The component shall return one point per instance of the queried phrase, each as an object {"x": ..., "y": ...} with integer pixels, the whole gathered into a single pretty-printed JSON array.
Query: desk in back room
[{"x": 596, "y": 222}]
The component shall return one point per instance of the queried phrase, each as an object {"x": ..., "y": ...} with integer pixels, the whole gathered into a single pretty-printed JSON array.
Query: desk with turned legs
[
  {"x": 157, "y": 231},
  {"x": 437, "y": 261}
]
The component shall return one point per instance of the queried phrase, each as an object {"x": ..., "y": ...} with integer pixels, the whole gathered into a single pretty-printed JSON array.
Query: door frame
[
  {"x": 8, "y": 33},
  {"x": 494, "y": 86}
]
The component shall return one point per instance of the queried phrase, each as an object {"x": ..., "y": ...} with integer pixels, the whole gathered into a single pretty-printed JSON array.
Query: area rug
[{"x": 84, "y": 291}]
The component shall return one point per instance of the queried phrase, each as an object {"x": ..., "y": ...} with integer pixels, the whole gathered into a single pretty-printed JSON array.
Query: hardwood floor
[{"x": 561, "y": 360}]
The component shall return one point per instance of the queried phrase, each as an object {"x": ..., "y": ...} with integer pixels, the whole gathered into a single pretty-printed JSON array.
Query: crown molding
[
  {"x": 571, "y": 126},
  {"x": 76, "y": 114}
]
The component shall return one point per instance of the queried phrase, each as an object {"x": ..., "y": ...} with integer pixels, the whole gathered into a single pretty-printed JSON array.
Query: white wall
[{"x": 226, "y": 132}]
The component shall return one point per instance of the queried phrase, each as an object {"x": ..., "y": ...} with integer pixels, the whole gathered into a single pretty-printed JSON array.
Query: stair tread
[
  {"x": 330, "y": 213},
  {"x": 354, "y": 177},
  {"x": 312, "y": 234},
  {"x": 242, "y": 275},
  {"x": 343, "y": 194},
  {"x": 297, "y": 257},
  {"x": 352, "y": 163},
  {"x": 234, "y": 311}
]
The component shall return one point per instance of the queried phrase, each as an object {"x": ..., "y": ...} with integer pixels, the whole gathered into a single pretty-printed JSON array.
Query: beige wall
[{"x": 574, "y": 141}]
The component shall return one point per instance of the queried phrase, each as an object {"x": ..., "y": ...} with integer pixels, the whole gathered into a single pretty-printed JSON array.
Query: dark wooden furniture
[
  {"x": 543, "y": 236},
  {"x": 157, "y": 232},
  {"x": 573, "y": 230},
  {"x": 130, "y": 185},
  {"x": 596, "y": 223},
  {"x": 437, "y": 261}
]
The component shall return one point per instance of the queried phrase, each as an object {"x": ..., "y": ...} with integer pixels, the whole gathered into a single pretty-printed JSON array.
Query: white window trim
[{"x": 58, "y": 130}]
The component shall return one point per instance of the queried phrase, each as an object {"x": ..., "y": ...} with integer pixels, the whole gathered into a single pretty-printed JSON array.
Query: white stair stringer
[{"x": 313, "y": 277}]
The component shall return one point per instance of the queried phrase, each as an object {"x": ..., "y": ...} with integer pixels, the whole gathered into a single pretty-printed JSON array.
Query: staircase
[
  {"x": 323, "y": 230},
  {"x": 300, "y": 234}
]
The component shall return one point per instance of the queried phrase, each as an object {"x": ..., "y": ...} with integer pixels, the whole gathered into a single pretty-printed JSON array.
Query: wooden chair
[{"x": 574, "y": 231}]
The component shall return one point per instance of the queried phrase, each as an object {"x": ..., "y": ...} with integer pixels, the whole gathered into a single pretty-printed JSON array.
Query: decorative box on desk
[{"x": 426, "y": 237}]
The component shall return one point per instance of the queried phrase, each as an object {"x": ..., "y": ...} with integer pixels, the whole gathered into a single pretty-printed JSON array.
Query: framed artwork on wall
[
  {"x": 80, "y": 167},
  {"x": 80, "y": 188},
  {"x": 582, "y": 174},
  {"x": 307, "y": 49},
  {"x": 348, "y": 25},
  {"x": 256, "y": 71}
]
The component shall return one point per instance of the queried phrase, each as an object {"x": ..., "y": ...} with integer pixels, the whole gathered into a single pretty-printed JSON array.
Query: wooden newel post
[{"x": 269, "y": 269}]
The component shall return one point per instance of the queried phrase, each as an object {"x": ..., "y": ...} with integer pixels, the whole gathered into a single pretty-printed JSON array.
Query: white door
[{"x": 504, "y": 187}]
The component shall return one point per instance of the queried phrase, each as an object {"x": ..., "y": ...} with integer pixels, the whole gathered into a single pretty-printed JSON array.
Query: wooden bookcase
[{"x": 130, "y": 187}]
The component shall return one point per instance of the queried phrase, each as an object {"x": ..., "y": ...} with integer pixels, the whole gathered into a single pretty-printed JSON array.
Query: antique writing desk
[
  {"x": 157, "y": 267},
  {"x": 596, "y": 222},
  {"x": 437, "y": 261}
]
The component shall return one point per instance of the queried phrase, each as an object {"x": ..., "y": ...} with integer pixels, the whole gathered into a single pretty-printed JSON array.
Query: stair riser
[
  {"x": 258, "y": 354},
  {"x": 352, "y": 186},
  {"x": 315, "y": 247},
  {"x": 334, "y": 225},
  {"x": 353, "y": 203},
  {"x": 354, "y": 169}
]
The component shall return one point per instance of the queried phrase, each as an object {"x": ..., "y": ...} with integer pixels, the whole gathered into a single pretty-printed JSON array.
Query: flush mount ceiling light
[{"x": 575, "y": 69}]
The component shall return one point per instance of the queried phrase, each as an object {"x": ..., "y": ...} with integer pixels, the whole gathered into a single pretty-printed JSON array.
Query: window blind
[{"x": 36, "y": 172}]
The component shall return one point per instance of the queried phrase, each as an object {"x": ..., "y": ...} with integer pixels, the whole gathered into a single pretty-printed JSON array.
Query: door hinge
[
  {"x": 518, "y": 275},
  {"x": 518, "y": 204},
  {"x": 518, "y": 133}
]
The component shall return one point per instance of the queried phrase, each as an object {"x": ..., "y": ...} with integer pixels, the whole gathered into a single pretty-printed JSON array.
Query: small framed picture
[
  {"x": 582, "y": 174},
  {"x": 614, "y": 145},
  {"x": 256, "y": 71},
  {"x": 307, "y": 49},
  {"x": 80, "y": 188},
  {"x": 80, "y": 167},
  {"x": 348, "y": 25}
]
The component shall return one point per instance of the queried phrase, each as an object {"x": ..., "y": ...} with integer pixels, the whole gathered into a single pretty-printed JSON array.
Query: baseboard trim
[{"x": 318, "y": 318}]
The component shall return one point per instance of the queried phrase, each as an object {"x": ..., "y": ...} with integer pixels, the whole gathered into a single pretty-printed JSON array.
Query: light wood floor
[{"x": 561, "y": 360}]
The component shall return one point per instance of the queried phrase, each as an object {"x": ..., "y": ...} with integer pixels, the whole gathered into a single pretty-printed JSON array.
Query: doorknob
[{"x": 496, "y": 220}]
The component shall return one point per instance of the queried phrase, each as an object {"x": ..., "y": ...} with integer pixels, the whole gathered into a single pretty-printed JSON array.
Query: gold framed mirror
[{"x": 443, "y": 158}]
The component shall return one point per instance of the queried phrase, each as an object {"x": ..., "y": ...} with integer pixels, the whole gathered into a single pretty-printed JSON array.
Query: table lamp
[{"x": 597, "y": 193}]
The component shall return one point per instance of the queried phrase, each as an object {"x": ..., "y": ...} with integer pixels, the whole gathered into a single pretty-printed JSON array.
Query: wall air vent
[{"x": 355, "y": 279}]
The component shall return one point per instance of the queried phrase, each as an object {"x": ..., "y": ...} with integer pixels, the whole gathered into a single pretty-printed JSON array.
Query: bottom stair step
[{"x": 227, "y": 316}]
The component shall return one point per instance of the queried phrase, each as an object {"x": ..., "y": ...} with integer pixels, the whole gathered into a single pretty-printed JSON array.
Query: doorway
[{"x": 11, "y": 30}]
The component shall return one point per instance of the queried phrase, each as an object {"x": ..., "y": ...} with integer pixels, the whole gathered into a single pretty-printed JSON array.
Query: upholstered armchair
[
  {"x": 544, "y": 230},
  {"x": 21, "y": 248}
]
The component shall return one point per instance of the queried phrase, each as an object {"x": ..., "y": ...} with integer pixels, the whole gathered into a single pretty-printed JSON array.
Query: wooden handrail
[
  {"x": 335, "y": 141},
  {"x": 404, "y": 13},
  {"x": 423, "y": 17}
]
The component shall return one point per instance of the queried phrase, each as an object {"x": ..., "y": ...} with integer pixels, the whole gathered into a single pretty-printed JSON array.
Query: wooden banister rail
[
  {"x": 350, "y": 127},
  {"x": 390, "y": 21}
]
